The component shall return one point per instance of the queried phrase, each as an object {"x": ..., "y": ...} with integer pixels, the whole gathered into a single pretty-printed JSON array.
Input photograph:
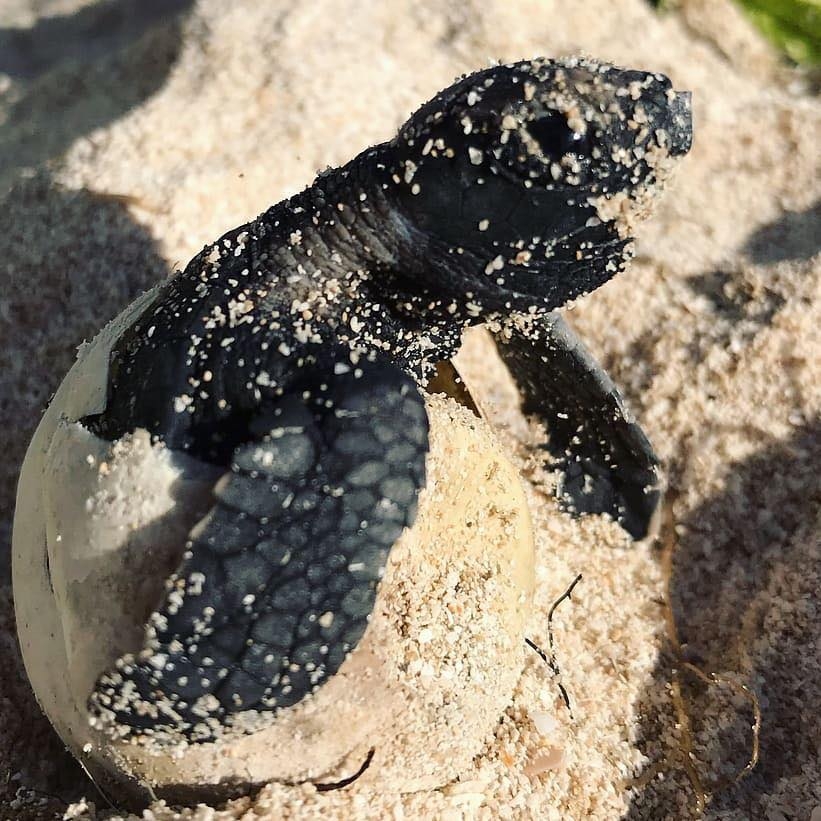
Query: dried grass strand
[{"x": 688, "y": 757}]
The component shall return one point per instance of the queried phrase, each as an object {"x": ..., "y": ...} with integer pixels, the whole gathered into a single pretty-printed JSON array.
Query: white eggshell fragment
[{"x": 100, "y": 526}]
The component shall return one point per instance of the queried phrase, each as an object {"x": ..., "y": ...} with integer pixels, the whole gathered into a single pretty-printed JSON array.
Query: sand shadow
[
  {"x": 735, "y": 553},
  {"x": 71, "y": 74},
  {"x": 734, "y": 303},
  {"x": 794, "y": 235},
  {"x": 71, "y": 260},
  {"x": 87, "y": 35}
]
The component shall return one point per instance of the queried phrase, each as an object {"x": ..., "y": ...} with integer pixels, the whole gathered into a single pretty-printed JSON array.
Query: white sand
[{"x": 713, "y": 335}]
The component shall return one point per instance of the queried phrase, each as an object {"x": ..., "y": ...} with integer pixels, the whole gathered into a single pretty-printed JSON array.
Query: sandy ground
[{"x": 122, "y": 154}]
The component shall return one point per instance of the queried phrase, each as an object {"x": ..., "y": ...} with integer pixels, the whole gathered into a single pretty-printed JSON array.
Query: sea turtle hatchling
[{"x": 289, "y": 359}]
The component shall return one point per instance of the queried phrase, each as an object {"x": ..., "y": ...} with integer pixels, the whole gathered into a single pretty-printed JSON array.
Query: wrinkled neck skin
[{"x": 342, "y": 251}]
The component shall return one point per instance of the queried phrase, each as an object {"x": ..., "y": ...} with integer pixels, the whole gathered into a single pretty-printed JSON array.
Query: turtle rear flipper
[{"x": 607, "y": 463}]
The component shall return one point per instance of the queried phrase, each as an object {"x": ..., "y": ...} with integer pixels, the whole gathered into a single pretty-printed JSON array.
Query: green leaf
[{"x": 793, "y": 25}]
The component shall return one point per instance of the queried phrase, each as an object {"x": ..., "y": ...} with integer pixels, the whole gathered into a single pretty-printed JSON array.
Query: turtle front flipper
[
  {"x": 607, "y": 462},
  {"x": 279, "y": 578}
]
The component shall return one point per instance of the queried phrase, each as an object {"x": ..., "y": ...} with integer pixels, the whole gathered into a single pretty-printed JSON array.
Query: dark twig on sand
[
  {"x": 346, "y": 782},
  {"x": 551, "y": 659}
]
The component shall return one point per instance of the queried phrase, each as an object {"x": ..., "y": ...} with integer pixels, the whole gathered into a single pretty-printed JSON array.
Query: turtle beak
[{"x": 681, "y": 123}]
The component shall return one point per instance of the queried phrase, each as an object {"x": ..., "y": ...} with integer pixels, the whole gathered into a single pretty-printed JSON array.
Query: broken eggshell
[{"x": 99, "y": 527}]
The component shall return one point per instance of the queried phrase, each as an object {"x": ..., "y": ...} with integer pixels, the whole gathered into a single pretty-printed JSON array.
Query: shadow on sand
[
  {"x": 71, "y": 260},
  {"x": 735, "y": 553},
  {"x": 79, "y": 72},
  {"x": 794, "y": 235}
]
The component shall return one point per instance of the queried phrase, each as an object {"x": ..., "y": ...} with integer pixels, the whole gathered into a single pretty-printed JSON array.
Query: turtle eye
[{"x": 556, "y": 138}]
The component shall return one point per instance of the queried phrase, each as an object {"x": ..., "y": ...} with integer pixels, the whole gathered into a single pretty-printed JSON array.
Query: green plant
[{"x": 793, "y": 25}]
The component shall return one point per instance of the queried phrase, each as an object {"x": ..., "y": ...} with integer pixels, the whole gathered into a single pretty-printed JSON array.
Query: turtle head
[{"x": 525, "y": 179}]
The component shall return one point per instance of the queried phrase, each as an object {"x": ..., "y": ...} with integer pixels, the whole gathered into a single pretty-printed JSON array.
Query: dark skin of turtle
[{"x": 293, "y": 352}]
